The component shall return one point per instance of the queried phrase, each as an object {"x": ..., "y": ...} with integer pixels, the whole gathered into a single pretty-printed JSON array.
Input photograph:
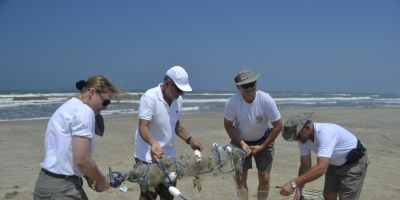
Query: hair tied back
[{"x": 80, "y": 85}]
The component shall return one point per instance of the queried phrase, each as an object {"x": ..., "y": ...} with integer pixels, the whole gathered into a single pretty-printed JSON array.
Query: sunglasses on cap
[
  {"x": 106, "y": 102},
  {"x": 248, "y": 85}
]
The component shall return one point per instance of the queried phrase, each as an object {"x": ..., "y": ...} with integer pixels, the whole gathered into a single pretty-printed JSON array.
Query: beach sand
[{"x": 21, "y": 151}]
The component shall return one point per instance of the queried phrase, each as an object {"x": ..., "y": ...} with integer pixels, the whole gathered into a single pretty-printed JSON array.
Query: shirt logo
[{"x": 259, "y": 119}]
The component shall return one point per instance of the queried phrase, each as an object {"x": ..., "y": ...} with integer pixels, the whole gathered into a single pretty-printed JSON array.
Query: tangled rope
[{"x": 224, "y": 159}]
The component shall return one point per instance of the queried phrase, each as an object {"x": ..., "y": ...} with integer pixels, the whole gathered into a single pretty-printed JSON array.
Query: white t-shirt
[
  {"x": 162, "y": 119},
  {"x": 252, "y": 120},
  {"x": 331, "y": 141},
  {"x": 73, "y": 118}
]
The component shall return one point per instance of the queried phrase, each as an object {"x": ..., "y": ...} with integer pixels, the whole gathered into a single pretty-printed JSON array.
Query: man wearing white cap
[
  {"x": 252, "y": 121},
  {"x": 159, "y": 111}
]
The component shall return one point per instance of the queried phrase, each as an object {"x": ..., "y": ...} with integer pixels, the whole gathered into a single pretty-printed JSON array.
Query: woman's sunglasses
[{"x": 106, "y": 102}]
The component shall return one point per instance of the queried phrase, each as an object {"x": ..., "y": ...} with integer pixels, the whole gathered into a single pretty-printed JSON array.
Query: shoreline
[{"x": 281, "y": 108}]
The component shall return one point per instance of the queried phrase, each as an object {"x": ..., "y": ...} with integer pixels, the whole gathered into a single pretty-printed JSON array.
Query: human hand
[
  {"x": 298, "y": 195},
  {"x": 196, "y": 145},
  {"x": 255, "y": 149},
  {"x": 102, "y": 185},
  {"x": 156, "y": 152},
  {"x": 286, "y": 189},
  {"x": 91, "y": 183},
  {"x": 245, "y": 147}
]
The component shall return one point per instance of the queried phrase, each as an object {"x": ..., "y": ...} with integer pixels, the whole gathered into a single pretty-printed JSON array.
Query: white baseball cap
[{"x": 180, "y": 78}]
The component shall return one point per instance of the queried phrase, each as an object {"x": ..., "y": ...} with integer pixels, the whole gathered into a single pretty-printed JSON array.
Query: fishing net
[{"x": 222, "y": 160}]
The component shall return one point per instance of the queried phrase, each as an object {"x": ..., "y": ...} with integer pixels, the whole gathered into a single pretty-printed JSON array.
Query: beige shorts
[{"x": 48, "y": 187}]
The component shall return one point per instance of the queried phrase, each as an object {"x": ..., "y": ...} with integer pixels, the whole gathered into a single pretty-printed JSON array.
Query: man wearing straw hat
[
  {"x": 340, "y": 156},
  {"x": 252, "y": 121}
]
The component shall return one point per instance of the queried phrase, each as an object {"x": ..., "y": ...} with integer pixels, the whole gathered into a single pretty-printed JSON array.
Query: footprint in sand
[{"x": 10, "y": 195}]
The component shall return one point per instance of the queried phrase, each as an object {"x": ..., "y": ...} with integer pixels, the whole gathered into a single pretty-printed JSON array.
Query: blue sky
[{"x": 309, "y": 45}]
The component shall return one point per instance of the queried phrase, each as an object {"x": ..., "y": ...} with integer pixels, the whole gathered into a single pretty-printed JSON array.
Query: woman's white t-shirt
[{"x": 73, "y": 118}]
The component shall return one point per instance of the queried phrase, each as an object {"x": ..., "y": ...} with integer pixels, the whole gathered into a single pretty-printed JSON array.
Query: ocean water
[{"x": 22, "y": 105}]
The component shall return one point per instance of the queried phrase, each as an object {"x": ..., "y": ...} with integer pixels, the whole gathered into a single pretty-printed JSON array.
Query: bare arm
[
  {"x": 156, "y": 150},
  {"x": 82, "y": 158},
  {"x": 314, "y": 172},
  {"x": 305, "y": 165},
  {"x": 236, "y": 139},
  {"x": 276, "y": 129},
  {"x": 184, "y": 135},
  {"x": 307, "y": 175}
]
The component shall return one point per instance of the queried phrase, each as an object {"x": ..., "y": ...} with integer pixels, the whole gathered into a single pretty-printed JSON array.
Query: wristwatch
[
  {"x": 293, "y": 184},
  {"x": 187, "y": 141}
]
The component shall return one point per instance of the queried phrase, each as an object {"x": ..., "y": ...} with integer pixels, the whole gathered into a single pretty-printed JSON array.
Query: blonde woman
[{"x": 70, "y": 141}]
